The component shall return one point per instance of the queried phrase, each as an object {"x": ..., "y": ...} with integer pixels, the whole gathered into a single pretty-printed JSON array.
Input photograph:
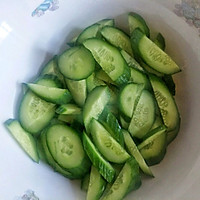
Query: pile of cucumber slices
[{"x": 103, "y": 111}]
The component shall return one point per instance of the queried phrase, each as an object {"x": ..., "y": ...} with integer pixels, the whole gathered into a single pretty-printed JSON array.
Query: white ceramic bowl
[{"x": 27, "y": 42}]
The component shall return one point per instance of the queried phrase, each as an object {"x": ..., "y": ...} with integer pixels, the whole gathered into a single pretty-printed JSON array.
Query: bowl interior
[{"x": 32, "y": 41}]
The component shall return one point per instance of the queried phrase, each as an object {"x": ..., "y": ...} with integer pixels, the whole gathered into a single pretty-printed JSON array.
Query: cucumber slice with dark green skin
[
  {"x": 89, "y": 32},
  {"x": 111, "y": 124},
  {"x": 166, "y": 103},
  {"x": 76, "y": 63},
  {"x": 66, "y": 148},
  {"x": 78, "y": 90},
  {"x": 96, "y": 185},
  {"x": 24, "y": 139},
  {"x": 128, "y": 98},
  {"x": 100, "y": 74},
  {"x": 133, "y": 150},
  {"x": 136, "y": 21},
  {"x": 131, "y": 61},
  {"x": 139, "y": 78},
  {"x": 106, "y": 144},
  {"x": 160, "y": 41},
  {"x": 67, "y": 109},
  {"x": 117, "y": 38},
  {"x": 95, "y": 104},
  {"x": 127, "y": 180},
  {"x": 50, "y": 159},
  {"x": 103, "y": 166},
  {"x": 51, "y": 94},
  {"x": 85, "y": 182},
  {"x": 153, "y": 149},
  {"x": 170, "y": 83},
  {"x": 110, "y": 59},
  {"x": 93, "y": 81},
  {"x": 171, "y": 135},
  {"x": 152, "y": 54},
  {"x": 143, "y": 115}
]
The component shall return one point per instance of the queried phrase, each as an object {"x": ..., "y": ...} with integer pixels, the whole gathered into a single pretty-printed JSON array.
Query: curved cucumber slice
[
  {"x": 110, "y": 59},
  {"x": 85, "y": 182},
  {"x": 153, "y": 149},
  {"x": 24, "y": 139},
  {"x": 132, "y": 148},
  {"x": 143, "y": 115},
  {"x": 76, "y": 63},
  {"x": 51, "y": 94},
  {"x": 78, "y": 90},
  {"x": 166, "y": 103},
  {"x": 108, "y": 146},
  {"x": 51, "y": 161},
  {"x": 152, "y": 54},
  {"x": 103, "y": 166},
  {"x": 96, "y": 185},
  {"x": 49, "y": 68},
  {"x": 128, "y": 98},
  {"x": 106, "y": 22},
  {"x": 95, "y": 104},
  {"x": 68, "y": 109},
  {"x": 89, "y": 32},
  {"x": 35, "y": 113},
  {"x": 136, "y": 21},
  {"x": 104, "y": 77},
  {"x": 66, "y": 149},
  {"x": 117, "y": 38},
  {"x": 150, "y": 70},
  {"x": 123, "y": 122},
  {"x": 127, "y": 180}
]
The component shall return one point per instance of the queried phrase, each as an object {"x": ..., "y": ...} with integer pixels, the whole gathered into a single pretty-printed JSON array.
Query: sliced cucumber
[
  {"x": 93, "y": 81},
  {"x": 166, "y": 103},
  {"x": 67, "y": 109},
  {"x": 127, "y": 180},
  {"x": 111, "y": 124},
  {"x": 117, "y": 38},
  {"x": 51, "y": 94},
  {"x": 152, "y": 54},
  {"x": 70, "y": 118},
  {"x": 76, "y": 63},
  {"x": 96, "y": 185},
  {"x": 51, "y": 161},
  {"x": 143, "y": 115},
  {"x": 66, "y": 149},
  {"x": 128, "y": 98},
  {"x": 158, "y": 122},
  {"x": 150, "y": 70},
  {"x": 89, "y": 32},
  {"x": 103, "y": 166},
  {"x": 106, "y": 22},
  {"x": 24, "y": 139},
  {"x": 107, "y": 145},
  {"x": 78, "y": 90},
  {"x": 110, "y": 59},
  {"x": 131, "y": 61},
  {"x": 153, "y": 149},
  {"x": 133, "y": 150},
  {"x": 139, "y": 78},
  {"x": 72, "y": 42},
  {"x": 136, "y": 21},
  {"x": 95, "y": 104}
]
